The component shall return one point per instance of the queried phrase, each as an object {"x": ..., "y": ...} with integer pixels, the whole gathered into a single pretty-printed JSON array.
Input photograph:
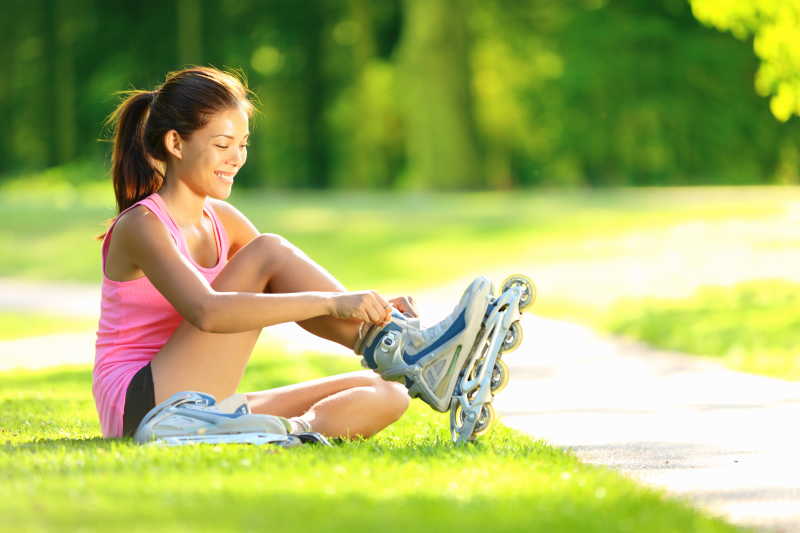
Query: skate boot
[
  {"x": 191, "y": 417},
  {"x": 485, "y": 374},
  {"x": 427, "y": 360}
]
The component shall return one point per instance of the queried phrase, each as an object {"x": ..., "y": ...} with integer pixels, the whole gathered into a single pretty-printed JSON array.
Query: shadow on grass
[
  {"x": 76, "y": 444},
  {"x": 395, "y": 450}
]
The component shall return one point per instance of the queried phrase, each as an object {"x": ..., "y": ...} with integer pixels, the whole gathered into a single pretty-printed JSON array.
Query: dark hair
[{"x": 184, "y": 102}]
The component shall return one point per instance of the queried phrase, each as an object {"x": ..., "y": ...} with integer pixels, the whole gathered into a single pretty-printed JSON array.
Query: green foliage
[
  {"x": 775, "y": 28},
  {"x": 357, "y": 94},
  {"x": 752, "y": 326},
  {"x": 58, "y": 474}
]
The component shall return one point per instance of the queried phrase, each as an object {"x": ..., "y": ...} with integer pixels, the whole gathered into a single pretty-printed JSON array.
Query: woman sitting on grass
[{"x": 189, "y": 282}]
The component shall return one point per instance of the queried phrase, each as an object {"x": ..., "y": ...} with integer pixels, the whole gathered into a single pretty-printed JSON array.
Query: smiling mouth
[{"x": 224, "y": 176}]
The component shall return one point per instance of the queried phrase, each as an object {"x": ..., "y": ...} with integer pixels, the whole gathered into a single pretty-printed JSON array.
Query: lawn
[
  {"x": 586, "y": 249},
  {"x": 56, "y": 473},
  {"x": 14, "y": 325},
  {"x": 753, "y": 326},
  {"x": 381, "y": 240}
]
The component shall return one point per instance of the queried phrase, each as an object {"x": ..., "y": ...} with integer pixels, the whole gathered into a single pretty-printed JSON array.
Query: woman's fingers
[
  {"x": 406, "y": 305},
  {"x": 368, "y": 306},
  {"x": 383, "y": 309},
  {"x": 376, "y": 308}
]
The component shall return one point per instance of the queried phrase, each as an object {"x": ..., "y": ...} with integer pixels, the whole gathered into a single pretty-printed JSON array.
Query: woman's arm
[
  {"x": 241, "y": 231},
  {"x": 148, "y": 245}
]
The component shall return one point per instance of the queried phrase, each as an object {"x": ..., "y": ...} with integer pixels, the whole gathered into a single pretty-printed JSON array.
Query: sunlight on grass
[
  {"x": 752, "y": 327},
  {"x": 585, "y": 249},
  {"x": 385, "y": 241},
  {"x": 58, "y": 473},
  {"x": 17, "y": 325}
]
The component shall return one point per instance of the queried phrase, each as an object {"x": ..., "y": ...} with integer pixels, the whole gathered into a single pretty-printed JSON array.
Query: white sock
[{"x": 299, "y": 425}]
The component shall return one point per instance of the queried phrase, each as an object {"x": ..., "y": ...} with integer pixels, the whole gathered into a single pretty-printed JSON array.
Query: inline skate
[
  {"x": 454, "y": 365},
  {"x": 191, "y": 417}
]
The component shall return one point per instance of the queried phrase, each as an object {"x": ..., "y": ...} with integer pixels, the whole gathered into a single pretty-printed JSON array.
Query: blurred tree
[
  {"x": 428, "y": 94},
  {"x": 365, "y": 117},
  {"x": 625, "y": 92},
  {"x": 315, "y": 91},
  {"x": 190, "y": 31},
  {"x": 31, "y": 139},
  {"x": 7, "y": 42},
  {"x": 775, "y": 28},
  {"x": 441, "y": 135},
  {"x": 61, "y": 82},
  {"x": 368, "y": 164}
]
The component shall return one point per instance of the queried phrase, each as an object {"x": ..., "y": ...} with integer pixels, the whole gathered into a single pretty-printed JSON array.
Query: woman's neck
[{"x": 185, "y": 206}]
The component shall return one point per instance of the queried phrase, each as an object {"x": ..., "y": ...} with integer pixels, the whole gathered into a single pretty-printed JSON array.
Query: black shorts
[{"x": 140, "y": 398}]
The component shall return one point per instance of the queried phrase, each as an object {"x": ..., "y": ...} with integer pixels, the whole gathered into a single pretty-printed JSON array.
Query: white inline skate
[
  {"x": 454, "y": 364},
  {"x": 428, "y": 360},
  {"x": 191, "y": 417}
]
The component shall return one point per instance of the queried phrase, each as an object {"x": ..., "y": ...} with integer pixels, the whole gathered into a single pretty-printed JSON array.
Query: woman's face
[{"x": 212, "y": 155}]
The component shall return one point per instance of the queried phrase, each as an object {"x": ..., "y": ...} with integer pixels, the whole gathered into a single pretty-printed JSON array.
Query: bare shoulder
[
  {"x": 136, "y": 233},
  {"x": 138, "y": 229},
  {"x": 239, "y": 228}
]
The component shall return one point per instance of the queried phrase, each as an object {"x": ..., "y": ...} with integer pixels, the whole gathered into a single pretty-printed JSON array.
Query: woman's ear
[{"x": 173, "y": 144}]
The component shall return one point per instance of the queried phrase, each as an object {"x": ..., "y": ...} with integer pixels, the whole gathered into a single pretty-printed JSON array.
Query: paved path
[{"x": 724, "y": 440}]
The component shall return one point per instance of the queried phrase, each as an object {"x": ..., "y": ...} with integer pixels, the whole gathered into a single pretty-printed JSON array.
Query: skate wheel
[
  {"x": 513, "y": 338},
  {"x": 500, "y": 376},
  {"x": 457, "y": 421},
  {"x": 484, "y": 420},
  {"x": 529, "y": 289}
]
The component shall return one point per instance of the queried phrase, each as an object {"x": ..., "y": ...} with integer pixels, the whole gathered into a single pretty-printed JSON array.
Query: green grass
[
  {"x": 25, "y": 324},
  {"x": 386, "y": 241},
  {"x": 752, "y": 327},
  {"x": 403, "y": 242},
  {"x": 56, "y": 473}
]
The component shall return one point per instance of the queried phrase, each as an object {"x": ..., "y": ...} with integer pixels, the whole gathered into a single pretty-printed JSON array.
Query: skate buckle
[{"x": 388, "y": 342}]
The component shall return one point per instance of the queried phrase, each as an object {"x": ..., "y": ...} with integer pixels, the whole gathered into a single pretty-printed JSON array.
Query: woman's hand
[
  {"x": 406, "y": 305},
  {"x": 368, "y": 306}
]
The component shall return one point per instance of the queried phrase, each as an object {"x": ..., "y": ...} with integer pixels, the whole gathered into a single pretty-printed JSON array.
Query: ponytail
[{"x": 132, "y": 169}]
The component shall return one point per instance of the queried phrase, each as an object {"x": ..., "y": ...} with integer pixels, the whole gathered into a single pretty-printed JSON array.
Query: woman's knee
[
  {"x": 273, "y": 251},
  {"x": 395, "y": 398}
]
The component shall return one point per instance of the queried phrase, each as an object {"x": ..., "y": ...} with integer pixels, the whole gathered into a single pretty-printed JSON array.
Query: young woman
[{"x": 189, "y": 282}]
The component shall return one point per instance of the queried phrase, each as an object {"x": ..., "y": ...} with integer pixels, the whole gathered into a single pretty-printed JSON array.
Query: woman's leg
[
  {"x": 215, "y": 362},
  {"x": 357, "y": 404},
  {"x": 299, "y": 273}
]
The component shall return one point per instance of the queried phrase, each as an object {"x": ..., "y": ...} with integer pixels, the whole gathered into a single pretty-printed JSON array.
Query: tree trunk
[
  {"x": 190, "y": 32},
  {"x": 441, "y": 137},
  {"x": 63, "y": 84},
  {"x": 368, "y": 165},
  {"x": 315, "y": 96}
]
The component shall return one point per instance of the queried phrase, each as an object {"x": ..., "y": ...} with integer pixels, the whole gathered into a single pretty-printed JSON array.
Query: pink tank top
[{"x": 136, "y": 321}]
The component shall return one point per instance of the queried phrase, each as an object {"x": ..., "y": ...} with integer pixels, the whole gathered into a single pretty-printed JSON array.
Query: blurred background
[
  {"x": 638, "y": 158},
  {"x": 410, "y": 94}
]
